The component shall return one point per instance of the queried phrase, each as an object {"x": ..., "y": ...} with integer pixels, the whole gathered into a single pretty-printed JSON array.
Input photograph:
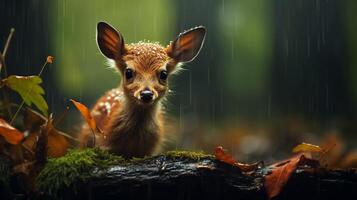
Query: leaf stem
[
  {"x": 42, "y": 68},
  {"x": 2, "y": 64},
  {"x": 60, "y": 118},
  {"x": 17, "y": 111}
]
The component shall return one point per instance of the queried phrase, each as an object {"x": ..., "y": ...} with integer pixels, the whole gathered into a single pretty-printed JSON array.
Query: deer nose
[{"x": 146, "y": 95}]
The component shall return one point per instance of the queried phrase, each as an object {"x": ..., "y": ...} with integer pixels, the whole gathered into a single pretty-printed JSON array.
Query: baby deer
[{"x": 131, "y": 116}]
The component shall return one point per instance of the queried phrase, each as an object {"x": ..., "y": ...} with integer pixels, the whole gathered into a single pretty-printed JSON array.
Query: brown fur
[
  {"x": 131, "y": 127},
  {"x": 132, "y": 130}
]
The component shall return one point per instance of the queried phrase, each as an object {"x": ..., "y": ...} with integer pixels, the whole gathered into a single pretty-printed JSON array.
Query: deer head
[{"x": 146, "y": 67}]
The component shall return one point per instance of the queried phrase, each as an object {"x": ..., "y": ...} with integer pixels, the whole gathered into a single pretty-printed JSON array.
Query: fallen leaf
[
  {"x": 86, "y": 115},
  {"x": 57, "y": 144},
  {"x": 29, "y": 89},
  {"x": 280, "y": 175},
  {"x": 11, "y": 134},
  {"x": 305, "y": 147},
  {"x": 50, "y": 59},
  {"x": 223, "y": 156},
  {"x": 281, "y": 172},
  {"x": 35, "y": 124}
]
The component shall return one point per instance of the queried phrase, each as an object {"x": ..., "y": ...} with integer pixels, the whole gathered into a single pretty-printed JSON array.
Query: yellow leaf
[{"x": 305, "y": 147}]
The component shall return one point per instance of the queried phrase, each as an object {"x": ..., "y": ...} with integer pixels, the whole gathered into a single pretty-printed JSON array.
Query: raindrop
[
  {"x": 327, "y": 96},
  {"x": 190, "y": 87},
  {"x": 269, "y": 106},
  {"x": 308, "y": 46}
]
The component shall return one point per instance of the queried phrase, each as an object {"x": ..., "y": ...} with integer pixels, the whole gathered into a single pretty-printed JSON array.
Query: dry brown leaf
[
  {"x": 57, "y": 144},
  {"x": 280, "y": 175},
  {"x": 11, "y": 134},
  {"x": 34, "y": 122},
  {"x": 223, "y": 156},
  {"x": 281, "y": 172}
]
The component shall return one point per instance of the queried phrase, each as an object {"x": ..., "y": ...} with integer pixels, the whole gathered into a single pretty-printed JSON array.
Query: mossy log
[{"x": 183, "y": 175}]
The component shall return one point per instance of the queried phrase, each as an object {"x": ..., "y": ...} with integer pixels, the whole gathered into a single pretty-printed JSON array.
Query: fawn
[{"x": 131, "y": 116}]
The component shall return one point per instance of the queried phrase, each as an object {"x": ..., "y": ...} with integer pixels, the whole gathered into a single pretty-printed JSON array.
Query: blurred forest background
[{"x": 271, "y": 74}]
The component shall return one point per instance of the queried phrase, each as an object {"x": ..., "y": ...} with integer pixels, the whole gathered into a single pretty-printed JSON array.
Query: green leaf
[{"x": 29, "y": 89}]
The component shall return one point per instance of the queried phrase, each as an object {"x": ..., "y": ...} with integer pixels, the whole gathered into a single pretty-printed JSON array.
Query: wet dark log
[{"x": 182, "y": 178}]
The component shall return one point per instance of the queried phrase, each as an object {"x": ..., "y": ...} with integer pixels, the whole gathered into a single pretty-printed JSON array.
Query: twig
[
  {"x": 42, "y": 68},
  {"x": 60, "y": 118},
  {"x": 18, "y": 110},
  {"x": 2, "y": 64},
  {"x": 68, "y": 136},
  {"x": 12, "y": 30}
]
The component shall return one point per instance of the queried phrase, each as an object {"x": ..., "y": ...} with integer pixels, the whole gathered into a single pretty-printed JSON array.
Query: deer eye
[
  {"x": 129, "y": 73},
  {"x": 163, "y": 75}
]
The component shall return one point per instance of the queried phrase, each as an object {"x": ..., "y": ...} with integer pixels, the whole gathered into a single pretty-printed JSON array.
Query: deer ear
[
  {"x": 187, "y": 45},
  {"x": 110, "y": 41}
]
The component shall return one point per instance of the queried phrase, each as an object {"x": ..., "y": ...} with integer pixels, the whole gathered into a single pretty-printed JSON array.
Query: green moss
[
  {"x": 64, "y": 174},
  {"x": 136, "y": 160},
  {"x": 176, "y": 154},
  {"x": 76, "y": 166},
  {"x": 187, "y": 154}
]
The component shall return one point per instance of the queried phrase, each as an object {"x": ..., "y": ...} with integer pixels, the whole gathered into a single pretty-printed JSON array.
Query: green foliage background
[{"x": 81, "y": 68}]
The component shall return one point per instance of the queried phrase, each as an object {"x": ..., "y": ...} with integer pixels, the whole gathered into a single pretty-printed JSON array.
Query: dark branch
[{"x": 166, "y": 177}]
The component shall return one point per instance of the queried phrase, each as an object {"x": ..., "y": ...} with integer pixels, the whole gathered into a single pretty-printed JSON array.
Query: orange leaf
[
  {"x": 281, "y": 172},
  {"x": 221, "y": 155},
  {"x": 86, "y": 114},
  {"x": 11, "y": 134},
  {"x": 34, "y": 123}
]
